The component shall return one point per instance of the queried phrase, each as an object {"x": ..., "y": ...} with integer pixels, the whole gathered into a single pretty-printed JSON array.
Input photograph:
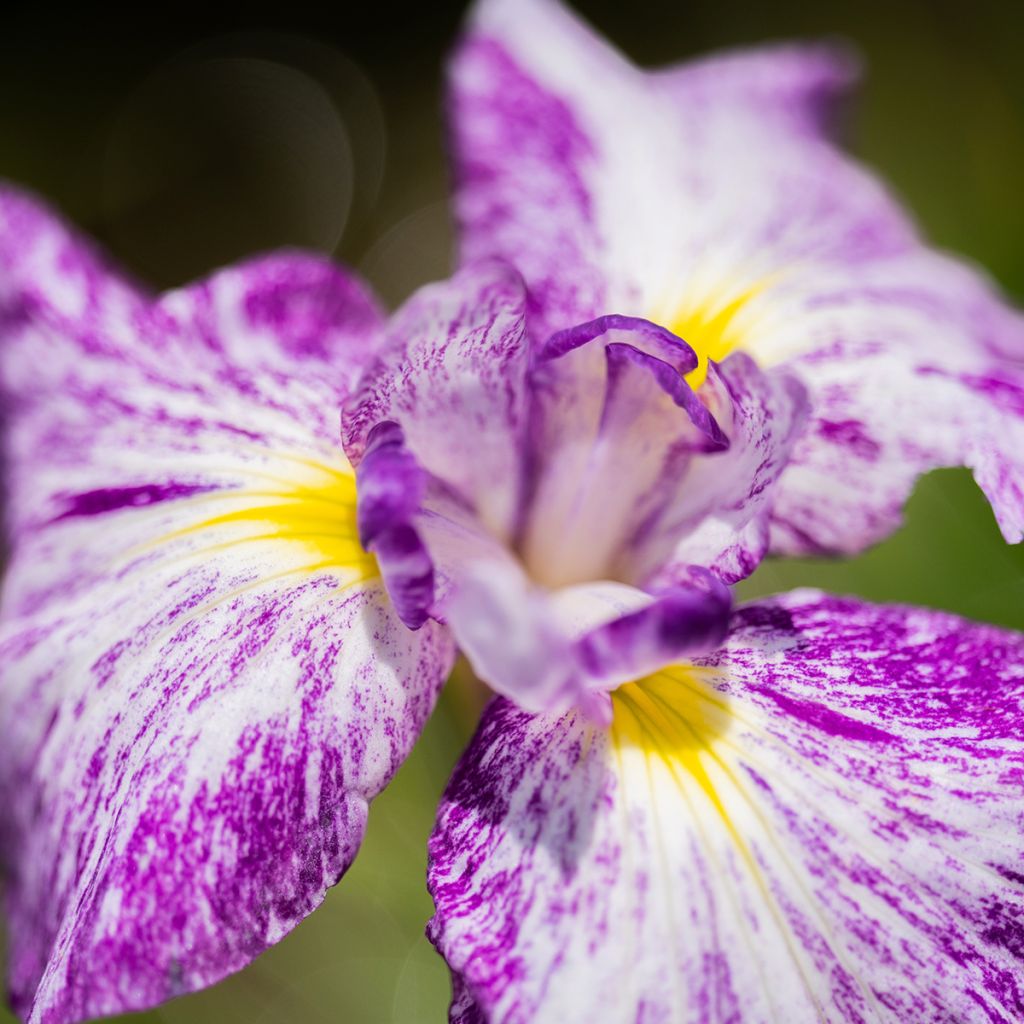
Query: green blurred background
[{"x": 186, "y": 140}]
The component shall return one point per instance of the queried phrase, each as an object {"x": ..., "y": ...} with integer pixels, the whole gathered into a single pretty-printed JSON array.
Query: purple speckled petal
[
  {"x": 709, "y": 198},
  {"x": 204, "y": 682},
  {"x": 802, "y": 86},
  {"x": 910, "y": 365},
  {"x": 821, "y": 822},
  {"x": 453, "y": 377}
]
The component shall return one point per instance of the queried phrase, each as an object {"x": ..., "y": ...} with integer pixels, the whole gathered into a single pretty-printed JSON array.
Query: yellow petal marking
[
  {"x": 715, "y": 325},
  {"x": 316, "y": 513},
  {"x": 674, "y": 718},
  {"x": 678, "y": 720}
]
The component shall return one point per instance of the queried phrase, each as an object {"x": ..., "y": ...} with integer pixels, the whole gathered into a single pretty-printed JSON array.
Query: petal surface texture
[
  {"x": 710, "y": 199},
  {"x": 204, "y": 681},
  {"x": 821, "y": 822}
]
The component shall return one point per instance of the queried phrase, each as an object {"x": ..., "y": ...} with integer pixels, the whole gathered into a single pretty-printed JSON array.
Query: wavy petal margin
[
  {"x": 204, "y": 682},
  {"x": 821, "y": 822}
]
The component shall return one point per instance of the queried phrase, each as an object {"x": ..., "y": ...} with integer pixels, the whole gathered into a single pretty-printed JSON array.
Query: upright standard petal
[
  {"x": 821, "y": 822},
  {"x": 708, "y": 198},
  {"x": 452, "y": 374},
  {"x": 205, "y": 683}
]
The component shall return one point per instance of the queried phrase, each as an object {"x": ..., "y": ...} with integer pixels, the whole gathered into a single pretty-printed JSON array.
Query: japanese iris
[{"x": 224, "y": 624}]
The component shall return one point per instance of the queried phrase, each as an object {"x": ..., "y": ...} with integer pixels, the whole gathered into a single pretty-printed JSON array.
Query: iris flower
[{"x": 224, "y": 624}]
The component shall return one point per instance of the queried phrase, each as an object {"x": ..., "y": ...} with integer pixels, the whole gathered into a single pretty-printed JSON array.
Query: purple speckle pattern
[
  {"x": 681, "y": 188},
  {"x": 110, "y": 499},
  {"x": 910, "y": 365},
  {"x": 538, "y": 158},
  {"x": 204, "y": 681},
  {"x": 826, "y": 826}
]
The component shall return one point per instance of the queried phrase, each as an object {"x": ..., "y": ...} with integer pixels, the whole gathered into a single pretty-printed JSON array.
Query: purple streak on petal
[
  {"x": 110, "y": 499},
  {"x": 851, "y": 434},
  {"x": 390, "y": 487},
  {"x": 309, "y": 303},
  {"x": 831, "y": 723}
]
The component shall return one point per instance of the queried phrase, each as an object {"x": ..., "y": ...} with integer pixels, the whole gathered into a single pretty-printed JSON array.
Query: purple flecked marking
[
  {"x": 830, "y": 722},
  {"x": 852, "y": 435},
  {"x": 519, "y": 147},
  {"x": 111, "y": 499}
]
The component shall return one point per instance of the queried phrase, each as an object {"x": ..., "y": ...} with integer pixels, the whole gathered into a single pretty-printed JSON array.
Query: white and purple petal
[
  {"x": 911, "y": 365},
  {"x": 205, "y": 683},
  {"x": 614, "y": 189},
  {"x": 821, "y": 822},
  {"x": 709, "y": 198}
]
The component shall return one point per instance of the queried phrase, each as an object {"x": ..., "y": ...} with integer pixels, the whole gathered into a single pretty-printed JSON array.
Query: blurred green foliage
[{"x": 105, "y": 122}]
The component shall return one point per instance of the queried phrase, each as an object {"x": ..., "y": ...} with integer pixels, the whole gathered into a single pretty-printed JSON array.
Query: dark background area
[{"x": 186, "y": 139}]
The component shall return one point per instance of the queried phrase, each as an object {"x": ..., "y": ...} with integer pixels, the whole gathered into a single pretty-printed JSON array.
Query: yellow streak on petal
[
  {"x": 715, "y": 325},
  {"x": 675, "y": 718},
  {"x": 317, "y": 513}
]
